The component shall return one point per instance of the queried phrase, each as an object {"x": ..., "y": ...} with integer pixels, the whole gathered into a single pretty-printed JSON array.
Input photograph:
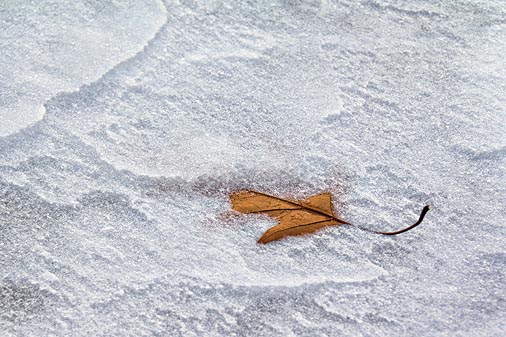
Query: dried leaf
[{"x": 296, "y": 217}]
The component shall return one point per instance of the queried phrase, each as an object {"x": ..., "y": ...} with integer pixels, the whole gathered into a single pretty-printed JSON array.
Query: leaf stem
[{"x": 420, "y": 219}]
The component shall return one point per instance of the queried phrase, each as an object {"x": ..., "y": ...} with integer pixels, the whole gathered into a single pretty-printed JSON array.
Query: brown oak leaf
[{"x": 297, "y": 217}]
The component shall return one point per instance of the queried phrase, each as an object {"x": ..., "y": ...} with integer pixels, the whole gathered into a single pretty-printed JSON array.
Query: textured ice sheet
[
  {"x": 50, "y": 46},
  {"x": 114, "y": 206}
]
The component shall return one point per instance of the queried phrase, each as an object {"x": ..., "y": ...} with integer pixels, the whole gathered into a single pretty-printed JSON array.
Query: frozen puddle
[{"x": 114, "y": 209}]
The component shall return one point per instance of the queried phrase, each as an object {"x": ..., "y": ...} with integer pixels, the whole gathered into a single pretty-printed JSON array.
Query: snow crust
[
  {"x": 114, "y": 210},
  {"x": 50, "y": 46}
]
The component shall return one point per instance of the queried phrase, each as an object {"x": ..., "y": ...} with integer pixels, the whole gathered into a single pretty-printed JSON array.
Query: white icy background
[
  {"x": 113, "y": 207},
  {"x": 49, "y": 46}
]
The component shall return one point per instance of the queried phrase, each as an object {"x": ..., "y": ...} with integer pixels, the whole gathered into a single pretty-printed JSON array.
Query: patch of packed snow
[{"x": 50, "y": 46}]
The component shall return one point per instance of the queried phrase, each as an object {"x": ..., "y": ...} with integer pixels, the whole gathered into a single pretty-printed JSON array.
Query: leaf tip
[{"x": 264, "y": 239}]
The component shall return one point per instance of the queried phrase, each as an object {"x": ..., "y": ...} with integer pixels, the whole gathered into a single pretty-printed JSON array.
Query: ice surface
[
  {"x": 114, "y": 207},
  {"x": 50, "y": 46}
]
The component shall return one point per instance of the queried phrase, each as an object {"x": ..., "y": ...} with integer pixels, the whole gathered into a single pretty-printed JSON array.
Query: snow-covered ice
[
  {"x": 126, "y": 124},
  {"x": 50, "y": 46}
]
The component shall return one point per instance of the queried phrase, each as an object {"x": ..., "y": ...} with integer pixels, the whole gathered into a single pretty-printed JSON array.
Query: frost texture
[
  {"x": 113, "y": 206},
  {"x": 49, "y": 46}
]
